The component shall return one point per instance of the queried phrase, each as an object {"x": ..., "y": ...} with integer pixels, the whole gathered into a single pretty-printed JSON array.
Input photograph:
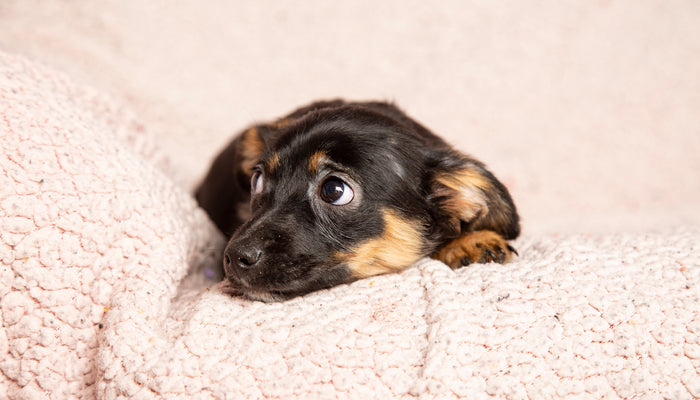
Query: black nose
[{"x": 242, "y": 258}]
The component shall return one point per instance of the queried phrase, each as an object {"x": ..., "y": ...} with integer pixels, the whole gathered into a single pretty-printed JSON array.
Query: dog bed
[{"x": 109, "y": 289}]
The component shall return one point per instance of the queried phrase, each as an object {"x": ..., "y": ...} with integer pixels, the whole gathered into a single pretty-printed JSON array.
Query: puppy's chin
[
  {"x": 334, "y": 274},
  {"x": 234, "y": 288},
  {"x": 263, "y": 295}
]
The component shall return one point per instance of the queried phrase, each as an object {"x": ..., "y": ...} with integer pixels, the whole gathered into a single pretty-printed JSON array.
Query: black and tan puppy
[{"x": 338, "y": 191}]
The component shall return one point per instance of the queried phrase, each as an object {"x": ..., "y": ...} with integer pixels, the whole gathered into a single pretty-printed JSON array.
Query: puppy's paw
[{"x": 475, "y": 247}]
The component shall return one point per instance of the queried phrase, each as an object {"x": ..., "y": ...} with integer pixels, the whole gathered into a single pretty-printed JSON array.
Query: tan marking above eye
[
  {"x": 315, "y": 161},
  {"x": 252, "y": 147},
  {"x": 273, "y": 163},
  {"x": 400, "y": 245}
]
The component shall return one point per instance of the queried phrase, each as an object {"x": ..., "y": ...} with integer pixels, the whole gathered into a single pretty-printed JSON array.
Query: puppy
[{"x": 337, "y": 191}]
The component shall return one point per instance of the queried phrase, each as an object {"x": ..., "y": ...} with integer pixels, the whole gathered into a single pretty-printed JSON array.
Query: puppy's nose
[{"x": 242, "y": 258}]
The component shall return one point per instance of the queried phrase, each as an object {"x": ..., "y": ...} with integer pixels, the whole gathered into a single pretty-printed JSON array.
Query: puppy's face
[{"x": 335, "y": 198}]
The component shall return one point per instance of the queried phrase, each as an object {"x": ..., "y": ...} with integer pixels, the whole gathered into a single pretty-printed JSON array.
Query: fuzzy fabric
[
  {"x": 107, "y": 290},
  {"x": 91, "y": 232}
]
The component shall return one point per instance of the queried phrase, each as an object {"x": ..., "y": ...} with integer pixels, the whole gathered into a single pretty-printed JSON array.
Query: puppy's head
[
  {"x": 339, "y": 191},
  {"x": 334, "y": 196}
]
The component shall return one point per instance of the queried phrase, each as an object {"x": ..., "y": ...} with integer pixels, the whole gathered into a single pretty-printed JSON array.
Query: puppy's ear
[
  {"x": 469, "y": 198},
  {"x": 225, "y": 191}
]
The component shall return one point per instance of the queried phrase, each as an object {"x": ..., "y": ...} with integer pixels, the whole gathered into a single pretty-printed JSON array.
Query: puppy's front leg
[{"x": 475, "y": 247}]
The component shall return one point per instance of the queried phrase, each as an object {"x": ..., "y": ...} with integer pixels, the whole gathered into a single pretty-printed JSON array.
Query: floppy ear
[
  {"x": 225, "y": 191},
  {"x": 469, "y": 198}
]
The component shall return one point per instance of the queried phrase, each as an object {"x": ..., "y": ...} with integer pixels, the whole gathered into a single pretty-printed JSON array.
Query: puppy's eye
[
  {"x": 256, "y": 183},
  {"x": 336, "y": 192}
]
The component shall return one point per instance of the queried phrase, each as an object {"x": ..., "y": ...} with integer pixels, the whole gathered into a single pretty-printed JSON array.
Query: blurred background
[{"x": 588, "y": 111}]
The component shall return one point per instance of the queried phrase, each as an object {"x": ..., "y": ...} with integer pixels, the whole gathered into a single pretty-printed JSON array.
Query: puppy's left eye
[
  {"x": 336, "y": 192},
  {"x": 256, "y": 183}
]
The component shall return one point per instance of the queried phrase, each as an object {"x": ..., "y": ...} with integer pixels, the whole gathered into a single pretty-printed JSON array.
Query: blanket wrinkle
[{"x": 106, "y": 291}]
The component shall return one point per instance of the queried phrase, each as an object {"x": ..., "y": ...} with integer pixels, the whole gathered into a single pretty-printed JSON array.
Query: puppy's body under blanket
[{"x": 103, "y": 294}]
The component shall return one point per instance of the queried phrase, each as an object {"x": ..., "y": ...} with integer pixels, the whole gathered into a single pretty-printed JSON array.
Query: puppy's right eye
[
  {"x": 336, "y": 192},
  {"x": 256, "y": 183}
]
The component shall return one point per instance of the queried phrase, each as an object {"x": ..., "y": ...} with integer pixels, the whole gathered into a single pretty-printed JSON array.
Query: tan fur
[
  {"x": 465, "y": 193},
  {"x": 400, "y": 245},
  {"x": 252, "y": 147},
  {"x": 475, "y": 247},
  {"x": 281, "y": 123},
  {"x": 315, "y": 161},
  {"x": 274, "y": 162}
]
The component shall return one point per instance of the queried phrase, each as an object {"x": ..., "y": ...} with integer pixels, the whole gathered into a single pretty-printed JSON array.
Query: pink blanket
[{"x": 105, "y": 291}]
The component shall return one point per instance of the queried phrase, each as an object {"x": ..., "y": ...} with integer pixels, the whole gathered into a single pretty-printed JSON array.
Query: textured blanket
[{"x": 108, "y": 289}]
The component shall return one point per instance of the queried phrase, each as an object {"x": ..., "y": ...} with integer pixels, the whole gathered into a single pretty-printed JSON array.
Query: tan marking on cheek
[
  {"x": 400, "y": 245},
  {"x": 464, "y": 193},
  {"x": 315, "y": 161},
  {"x": 252, "y": 147}
]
